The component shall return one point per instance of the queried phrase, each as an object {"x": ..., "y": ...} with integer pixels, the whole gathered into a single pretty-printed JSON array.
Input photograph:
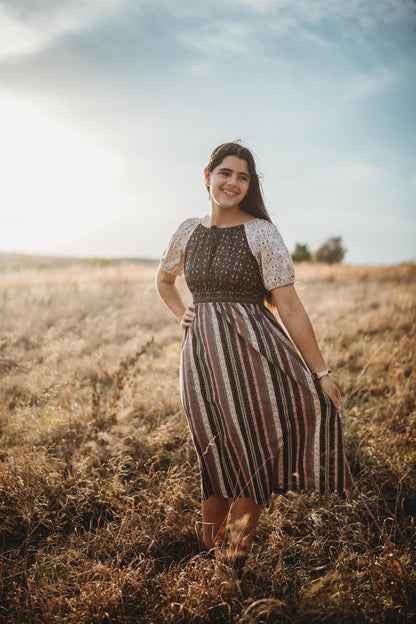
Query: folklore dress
[{"x": 259, "y": 422}]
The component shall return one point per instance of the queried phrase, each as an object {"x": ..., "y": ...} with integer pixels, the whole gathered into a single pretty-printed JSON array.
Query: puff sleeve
[
  {"x": 273, "y": 258},
  {"x": 173, "y": 257}
]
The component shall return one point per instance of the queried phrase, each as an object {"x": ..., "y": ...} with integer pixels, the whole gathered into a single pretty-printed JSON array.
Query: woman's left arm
[{"x": 299, "y": 326}]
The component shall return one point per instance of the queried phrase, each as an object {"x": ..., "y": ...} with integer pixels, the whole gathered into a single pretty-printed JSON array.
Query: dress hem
[{"x": 283, "y": 491}]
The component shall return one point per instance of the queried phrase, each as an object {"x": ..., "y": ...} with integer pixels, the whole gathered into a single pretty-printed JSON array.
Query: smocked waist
[{"x": 207, "y": 297}]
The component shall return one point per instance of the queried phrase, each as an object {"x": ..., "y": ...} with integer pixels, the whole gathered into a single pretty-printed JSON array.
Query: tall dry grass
[{"x": 99, "y": 490}]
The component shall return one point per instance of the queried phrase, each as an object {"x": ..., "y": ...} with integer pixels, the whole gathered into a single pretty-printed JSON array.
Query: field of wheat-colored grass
[{"x": 99, "y": 490}]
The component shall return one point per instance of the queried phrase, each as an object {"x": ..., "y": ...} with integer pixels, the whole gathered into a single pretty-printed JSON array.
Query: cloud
[
  {"x": 217, "y": 37},
  {"x": 313, "y": 19},
  {"x": 273, "y": 29},
  {"x": 262, "y": 6},
  {"x": 202, "y": 69},
  {"x": 25, "y": 31},
  {"x": 236, "y": 27},
  {"x": 363, "y": 85},
  {"x": 362, "y": 12}
]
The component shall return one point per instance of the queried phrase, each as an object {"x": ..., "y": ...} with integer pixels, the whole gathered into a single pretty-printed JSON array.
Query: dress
[{"x": 259, "y": 422}]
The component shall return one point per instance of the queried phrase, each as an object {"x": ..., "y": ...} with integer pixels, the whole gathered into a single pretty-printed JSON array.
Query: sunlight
[{"x": 52, "y": 174}]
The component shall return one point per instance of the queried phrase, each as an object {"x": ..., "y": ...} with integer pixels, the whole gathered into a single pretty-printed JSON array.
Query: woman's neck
[{"x": 226, "y": 218}]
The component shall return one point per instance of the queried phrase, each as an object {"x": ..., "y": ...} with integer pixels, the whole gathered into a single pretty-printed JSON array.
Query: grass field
[{"x": 99, "y": 489}]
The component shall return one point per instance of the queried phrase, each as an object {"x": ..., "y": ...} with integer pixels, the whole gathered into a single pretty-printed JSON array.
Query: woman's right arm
[{"x": 165, "y": 286}]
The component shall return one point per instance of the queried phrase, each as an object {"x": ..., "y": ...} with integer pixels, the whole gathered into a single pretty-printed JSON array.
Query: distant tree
[
  {"x": 301, "y": 253},
  {"x": 331, "y": 251}
]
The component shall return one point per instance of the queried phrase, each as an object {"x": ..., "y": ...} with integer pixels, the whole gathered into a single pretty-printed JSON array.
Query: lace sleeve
[
  {"x": 274, "y": 260},
  {"x": 173, "y": 257}
]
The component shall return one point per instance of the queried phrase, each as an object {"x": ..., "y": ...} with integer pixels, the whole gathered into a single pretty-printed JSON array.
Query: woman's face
[{"x": 228, "y": 182}]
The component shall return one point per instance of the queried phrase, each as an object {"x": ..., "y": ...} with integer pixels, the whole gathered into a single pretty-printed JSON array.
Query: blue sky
[{"x": 109, "y": 110}]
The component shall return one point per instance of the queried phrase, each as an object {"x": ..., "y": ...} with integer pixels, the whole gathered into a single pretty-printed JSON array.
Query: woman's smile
[{"x": 229, "y": 193}]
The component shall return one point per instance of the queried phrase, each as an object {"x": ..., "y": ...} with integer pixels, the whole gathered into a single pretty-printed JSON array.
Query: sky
[{"x": 109, "y": 110}]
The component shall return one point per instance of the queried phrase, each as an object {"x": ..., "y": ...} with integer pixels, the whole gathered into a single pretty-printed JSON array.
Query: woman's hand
[
  {"x": 331, "y": 390},
  {"x": 188, "y": 316}
]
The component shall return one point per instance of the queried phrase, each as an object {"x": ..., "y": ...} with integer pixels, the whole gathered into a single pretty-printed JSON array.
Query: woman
[{"x": 261, "y": 420}]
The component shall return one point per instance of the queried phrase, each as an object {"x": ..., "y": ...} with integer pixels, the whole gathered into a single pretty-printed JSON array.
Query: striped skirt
[{"x": 259, "y": 422}]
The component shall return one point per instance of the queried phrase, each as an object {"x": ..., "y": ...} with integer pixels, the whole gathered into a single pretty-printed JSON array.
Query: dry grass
[{"x": 99, "y": 491}]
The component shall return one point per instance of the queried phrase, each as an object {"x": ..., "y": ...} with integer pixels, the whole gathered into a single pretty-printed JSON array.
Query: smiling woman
[
  {"x": 55, "y": 182},
  {"x": 263, "y": 419}
]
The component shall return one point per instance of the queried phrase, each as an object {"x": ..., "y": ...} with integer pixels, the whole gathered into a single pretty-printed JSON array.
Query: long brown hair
[{"x": 253, "y": 202}]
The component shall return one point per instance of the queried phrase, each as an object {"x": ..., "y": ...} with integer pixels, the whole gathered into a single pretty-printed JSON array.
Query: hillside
[{"x": 17, "y": 261}]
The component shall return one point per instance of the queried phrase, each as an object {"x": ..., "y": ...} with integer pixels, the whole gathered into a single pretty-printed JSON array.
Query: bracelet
[{"x": 318, "y": 376}]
